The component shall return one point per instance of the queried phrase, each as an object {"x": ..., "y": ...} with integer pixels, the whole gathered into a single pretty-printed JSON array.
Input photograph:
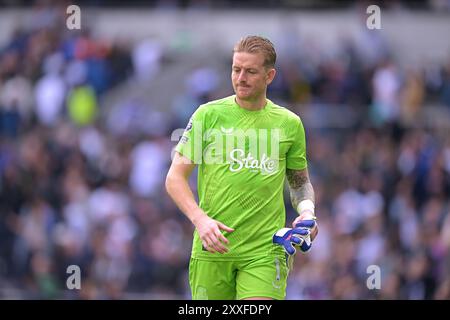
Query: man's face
[{"x": 249, "y": 76}]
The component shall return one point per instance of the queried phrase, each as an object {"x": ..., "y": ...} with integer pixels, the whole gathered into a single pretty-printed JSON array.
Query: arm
[
  {"x": 178, "y": 188},
  {"x": 301, "y": 189}
]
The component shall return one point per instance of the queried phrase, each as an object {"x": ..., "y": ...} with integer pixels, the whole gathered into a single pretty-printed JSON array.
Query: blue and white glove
[
  {"x": 298, "y": 236},
  {"x": 306, "y": 225},
  {"x": 288, "y": 237}
]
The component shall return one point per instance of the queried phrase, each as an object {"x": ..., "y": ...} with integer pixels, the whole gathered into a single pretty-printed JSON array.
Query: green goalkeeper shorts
[{"x": 229, "y": 280}]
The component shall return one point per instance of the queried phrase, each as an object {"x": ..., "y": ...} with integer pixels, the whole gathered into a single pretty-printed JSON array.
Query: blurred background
[{"x": 89, "y": 118}]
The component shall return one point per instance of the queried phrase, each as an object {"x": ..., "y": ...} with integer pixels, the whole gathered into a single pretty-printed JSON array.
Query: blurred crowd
[
  {"x": 82, "y": 182},
  {"x": 238, "y": 4}
]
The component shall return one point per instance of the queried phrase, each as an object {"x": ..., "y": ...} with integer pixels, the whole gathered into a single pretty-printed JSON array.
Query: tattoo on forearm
[{"x": 300, "y": 186}]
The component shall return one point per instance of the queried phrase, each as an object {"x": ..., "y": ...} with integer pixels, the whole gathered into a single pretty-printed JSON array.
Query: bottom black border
[{"x": 175, "y": 309}]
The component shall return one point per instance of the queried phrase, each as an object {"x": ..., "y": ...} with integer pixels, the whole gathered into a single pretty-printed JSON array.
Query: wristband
[{"x": 305, "y": 205}]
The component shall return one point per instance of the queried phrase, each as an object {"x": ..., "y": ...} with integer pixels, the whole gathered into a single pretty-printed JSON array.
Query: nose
[{"x": 241, "y": 76}]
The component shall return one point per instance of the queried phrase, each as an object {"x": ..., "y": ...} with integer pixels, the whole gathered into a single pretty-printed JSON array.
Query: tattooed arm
[
  {"x": 301, "y": 189},
  {"x": 300, "y": 186}
]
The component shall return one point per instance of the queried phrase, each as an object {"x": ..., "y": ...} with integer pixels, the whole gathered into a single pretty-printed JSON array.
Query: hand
[
  {"x": 209, "y": 232},
  {"x": 307, "y": 225},
  {"x": 288, "y": 237},
  {"x": 307, "y": 216}
]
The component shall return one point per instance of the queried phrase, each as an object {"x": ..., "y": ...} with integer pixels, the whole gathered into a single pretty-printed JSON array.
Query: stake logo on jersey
[
  {"x": 256, "y": 150},
  {"x": 240, "y": 161}
]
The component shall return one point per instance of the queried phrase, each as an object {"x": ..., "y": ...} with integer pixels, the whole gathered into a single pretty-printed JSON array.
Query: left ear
[{"x": 270, "y": 75}]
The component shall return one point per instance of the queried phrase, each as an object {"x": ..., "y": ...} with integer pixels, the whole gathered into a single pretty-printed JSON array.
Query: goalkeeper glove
[
  {"x": 288, "y": 237},
  {"x": 298, "y": 236},
  {"x": 306, "y": 225}
]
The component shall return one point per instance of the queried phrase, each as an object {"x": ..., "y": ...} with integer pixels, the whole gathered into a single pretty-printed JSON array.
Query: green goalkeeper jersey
[{"x": 242, "y": 158}]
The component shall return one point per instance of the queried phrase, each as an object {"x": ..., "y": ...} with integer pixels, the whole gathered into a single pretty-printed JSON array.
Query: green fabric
[
  {"x": 242, "y": 161},
  {"x": 230, "y": 280}
]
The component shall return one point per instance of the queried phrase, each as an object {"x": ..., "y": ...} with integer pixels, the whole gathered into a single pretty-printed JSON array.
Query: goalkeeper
[{"x": 240, "y": 244}]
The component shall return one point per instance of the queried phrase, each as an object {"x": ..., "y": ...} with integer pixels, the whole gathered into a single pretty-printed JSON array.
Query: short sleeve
[
  {"x": 296, "y": 156},
  {"x": 191, "y": 143}
]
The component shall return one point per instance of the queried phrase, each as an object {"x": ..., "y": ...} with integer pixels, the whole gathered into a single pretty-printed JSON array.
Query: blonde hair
[{"x": 254, "y": 44}]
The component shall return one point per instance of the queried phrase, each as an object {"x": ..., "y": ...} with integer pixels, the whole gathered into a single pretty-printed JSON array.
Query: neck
[{"x": 252, "y": 105}]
